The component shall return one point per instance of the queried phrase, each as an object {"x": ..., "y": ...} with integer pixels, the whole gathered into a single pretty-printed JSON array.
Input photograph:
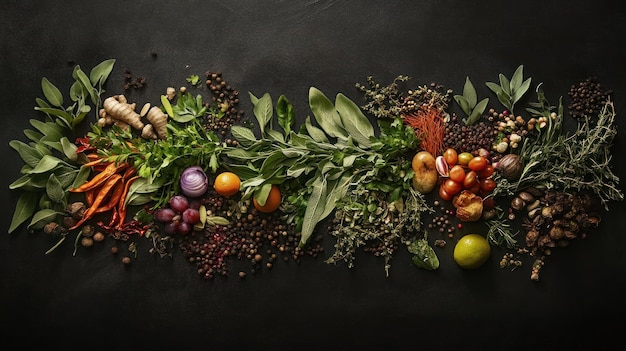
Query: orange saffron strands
[{"x": 429, "y": 127}]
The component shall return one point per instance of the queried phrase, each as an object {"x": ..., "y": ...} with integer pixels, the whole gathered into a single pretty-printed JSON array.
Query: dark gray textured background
[{"x": 284, "y": 47}]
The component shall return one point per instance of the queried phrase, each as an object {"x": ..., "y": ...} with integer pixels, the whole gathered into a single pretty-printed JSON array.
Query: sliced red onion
[{"x": 194, "y": 182}]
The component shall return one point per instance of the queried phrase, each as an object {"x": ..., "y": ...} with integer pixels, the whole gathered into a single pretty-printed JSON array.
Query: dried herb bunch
[
  {"x": 579, "y": 162},
  {"x": 389, "y": 101}
]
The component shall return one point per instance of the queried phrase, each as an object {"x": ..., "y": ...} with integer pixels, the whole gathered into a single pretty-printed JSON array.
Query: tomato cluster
[{"x": 466, "y": 172}]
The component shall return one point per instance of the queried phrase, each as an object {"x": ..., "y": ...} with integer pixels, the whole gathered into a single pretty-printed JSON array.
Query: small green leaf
[
  {"x": 24, "y": 209},
  {"x": 463, "y": 103},
  {"x": 80, "y": 76},
  {"x": 167, "y": 106},
  {"x": 285, "y": 114},
  {"x": 244, "y": 136},
  {"x": 516, "y": 79},
  {"x": 263, "y": 111},
  {"x": 43, "y": 217},
  {"x": 314, "y": 132},
  {"x": 100, "y": 73},
  {"x": 54, "y": 190},
  {"x": 52, "y": 93},
  {"x": 494, "y": 87},
  {"x": 47, "y": 163},
  {"x": 469, "y": 92},
  {"x": 505, "y": 84},
  {"x": 521, "y": 90}
]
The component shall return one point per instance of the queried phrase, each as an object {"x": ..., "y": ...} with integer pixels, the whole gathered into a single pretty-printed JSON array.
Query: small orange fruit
[
  {"x": 227, "y": 184},
  {"x": 272, "y": 203}
]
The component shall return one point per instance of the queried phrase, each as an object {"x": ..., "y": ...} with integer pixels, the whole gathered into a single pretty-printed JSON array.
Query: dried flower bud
[{"x": 469, "y": 206}]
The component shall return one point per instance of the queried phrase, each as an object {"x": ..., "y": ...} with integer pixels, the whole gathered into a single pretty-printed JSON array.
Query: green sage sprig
[
  {"x": 51, "y": 161},
  {"x": 320, "y": 163}
]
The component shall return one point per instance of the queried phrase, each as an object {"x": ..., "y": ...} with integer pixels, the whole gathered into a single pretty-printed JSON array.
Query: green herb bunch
[
  {"x": 160, "y": 163},
  {"x": 51, "y": 162},
  {"x": 339, "y": 162}
]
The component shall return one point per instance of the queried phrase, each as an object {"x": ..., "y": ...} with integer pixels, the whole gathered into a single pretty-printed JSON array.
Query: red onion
[{"x": 194, "y": 182}]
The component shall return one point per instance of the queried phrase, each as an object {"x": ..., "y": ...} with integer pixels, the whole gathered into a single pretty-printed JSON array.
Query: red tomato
[
  {"x": 450, "y": 156},
  {"x": 487, "y": 185},
  {"x": 487, "y": 171},
  {"x": 478, "y": 163},
  {"x": 471, "y": 179},
  {"x": 451, "y": 187},
  {"x": 443, "y": 194},
  {"x": 475, "y": 189},
  {"x": 457, "y": 173}
]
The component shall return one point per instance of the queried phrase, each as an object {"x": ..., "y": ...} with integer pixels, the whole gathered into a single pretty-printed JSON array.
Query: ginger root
[
  {"x": 118, "y": 108},
  {"x": 159, "y": 121}
]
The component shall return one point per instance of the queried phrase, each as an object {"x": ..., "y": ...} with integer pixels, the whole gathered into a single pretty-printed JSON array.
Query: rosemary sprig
[{"x": 577, "y": 162}]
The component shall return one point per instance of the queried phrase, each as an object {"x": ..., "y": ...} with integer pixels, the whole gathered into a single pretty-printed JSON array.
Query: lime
[{"x": 472, "y": 251}]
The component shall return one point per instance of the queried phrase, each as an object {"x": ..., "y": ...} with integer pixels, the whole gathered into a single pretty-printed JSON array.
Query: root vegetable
[
  {"x": 148, "y": 132},
  {"x": 119, "y": 109},
  {"x": 158, "y": 119}
]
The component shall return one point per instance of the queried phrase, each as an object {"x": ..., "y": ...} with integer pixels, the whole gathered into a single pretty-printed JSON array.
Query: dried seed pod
[
  {"x": 526, "y": 196},
  {"x": 510, "y": 166}
]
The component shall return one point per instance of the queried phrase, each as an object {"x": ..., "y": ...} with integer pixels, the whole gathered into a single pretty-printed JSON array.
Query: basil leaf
[{"x": 285, "y": 114}]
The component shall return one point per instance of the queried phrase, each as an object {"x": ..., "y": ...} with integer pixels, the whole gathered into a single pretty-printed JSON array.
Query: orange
[
  {"x": 272, "y": 203},
  {"x": 227, "y": 184}
]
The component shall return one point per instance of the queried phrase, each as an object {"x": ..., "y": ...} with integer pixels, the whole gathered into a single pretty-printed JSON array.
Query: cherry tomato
[
  {"x": 443, "y": 194},
  {"x": 475, "y": 189},
  {"x": 450, "y": 156},
  {"x": 464, "y": 158},
  {"x": 477, "y": 163},
  {"x": 487, "y": 185},
  {"x": 471, "y": 179},
  {"x": 457, "y": 173},
  {"x": 487, "y": 171},
  {"x": 451, "y": 187}
]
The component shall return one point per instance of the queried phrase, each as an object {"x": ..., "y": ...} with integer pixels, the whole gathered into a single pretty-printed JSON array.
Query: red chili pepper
[
  {"x": 121, "y": 210},
  {"x": 106, "y": 189}
]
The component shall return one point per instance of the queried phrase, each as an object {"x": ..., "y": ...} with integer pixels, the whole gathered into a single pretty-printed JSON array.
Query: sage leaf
[
  {"x": 325, "y": 114},
  {"x": 463, "y": 103},
  {"x": 521, "y": 90},
  {"x": 243, "y": 135},
  {"x": 505, "y": 84},
  {"x": 24, "y": 209},
  {"x": 43, "y": 217},
  {"x": 263, "y": 111},
  {"x": 314, "y": 132},
  {"x": 66, "y": 175},
  {"x": 82, "y": 176},
  {"x": 285, "y": 114},
  {"x": 54, "y": 190},
  {"x": 469, "y": 92},
  {"x": 275, "y": 135},
  {"x": 30, "y": 155},
  {"x": 101, "y": 71},
  {"x": 494, "y": 87},
  {"x": 314, "y": 209},
  {"x": 80, "y": 76},
  {"x": 50, "y": 130},
  {"x": 33, "y": 135},
  {"x": 354, "y": 121},
  {"x": 51, "y": 92},
  {"x": 217, "y": 220},
  {"x": 262, "y": 193},
  {"x": 516, "y": 79},
  {"x": 47, "y": 163}
]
